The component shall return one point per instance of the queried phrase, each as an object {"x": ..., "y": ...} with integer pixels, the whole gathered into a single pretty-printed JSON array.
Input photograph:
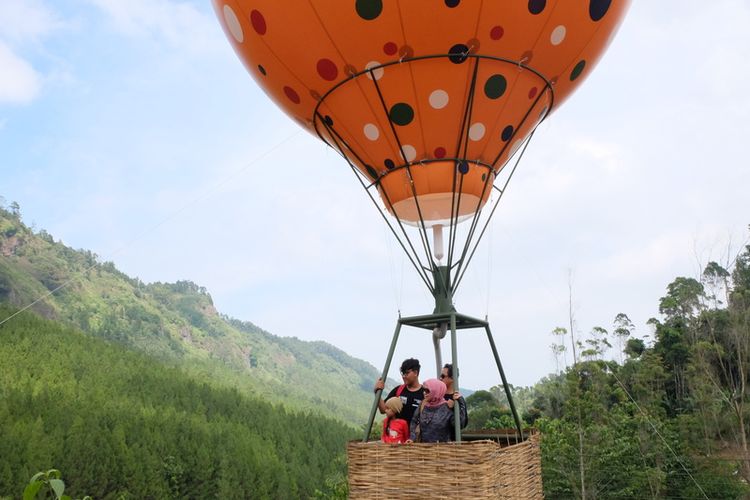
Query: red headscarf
[{"x": 437, "y": 390}]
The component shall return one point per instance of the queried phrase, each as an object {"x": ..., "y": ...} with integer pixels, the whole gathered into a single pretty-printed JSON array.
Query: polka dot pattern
[
  {"x": 327, "y": 69},
  {"x": 598, "y": 9},
  {"x": 577, "y": 70},
  {"x": 371, "y": 131},
  {"x": 558, "y": 35},
  {"x": 439, "y": 99},
  {"x": 258, "y": 22},
  {"x": 537, "y": 6},
  {"x": 292, "y": 95},
  {"x": 458, "y": 53},
  {"x": 476, "y": 131},
  {"x": 507, "y": 133},
  {"x": 298, "y": 58},
  {"x": 233, "y": 24},
  {"x": 495, "y": 86},
  {"x": 375, "y": 74},
  {"x": 401, "y": 114},
  {"x": 369, "y": 9},
  {"x": 410, "y": 153}
]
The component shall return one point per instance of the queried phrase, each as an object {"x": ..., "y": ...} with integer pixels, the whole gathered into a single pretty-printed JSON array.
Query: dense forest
[
  {"x": 663, "y": 418},
  {"x": 120, "y": 425}
]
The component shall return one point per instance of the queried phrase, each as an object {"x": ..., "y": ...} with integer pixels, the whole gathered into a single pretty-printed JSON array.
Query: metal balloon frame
[{"x": 442, "y": 280}]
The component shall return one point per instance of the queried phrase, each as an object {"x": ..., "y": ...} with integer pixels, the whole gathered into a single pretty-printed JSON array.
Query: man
[
  {"x": 411, "y": 391},
  {"x": 453, "y": 396}
]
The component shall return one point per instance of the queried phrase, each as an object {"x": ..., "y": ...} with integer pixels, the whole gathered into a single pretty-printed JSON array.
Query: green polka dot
[
  {"x": 401, "y": 114},
  {"x": 369, "y": 9},
  {"x": 577, "y": 70},
  {"x": 484, "y": 177},
  {"x": 373, "y": 173},
  {"x": 495, "y": 86}
]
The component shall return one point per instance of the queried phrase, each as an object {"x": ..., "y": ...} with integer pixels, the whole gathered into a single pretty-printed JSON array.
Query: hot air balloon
[{"x": 431, "y": 103}]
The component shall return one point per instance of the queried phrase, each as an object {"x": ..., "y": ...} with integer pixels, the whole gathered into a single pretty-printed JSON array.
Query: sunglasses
[{"x": 443, "y": 375}]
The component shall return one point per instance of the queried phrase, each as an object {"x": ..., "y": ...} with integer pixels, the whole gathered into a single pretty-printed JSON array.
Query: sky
[{"x": 131, "y": 129}]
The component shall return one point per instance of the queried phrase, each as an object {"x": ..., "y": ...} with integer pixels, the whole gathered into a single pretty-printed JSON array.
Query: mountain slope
[{"x": 177, "y": 321}]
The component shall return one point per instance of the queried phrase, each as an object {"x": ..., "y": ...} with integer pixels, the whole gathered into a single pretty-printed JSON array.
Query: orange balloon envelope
[{"x": 427, "y": 99}]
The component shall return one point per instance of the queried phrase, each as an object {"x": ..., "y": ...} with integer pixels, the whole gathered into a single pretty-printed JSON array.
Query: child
[{"x": 395, "y": 430}]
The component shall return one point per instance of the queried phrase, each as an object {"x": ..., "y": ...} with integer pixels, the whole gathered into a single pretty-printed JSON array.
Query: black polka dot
[
  {"x": 463, "y": 167},
  {"x": 577, "y": 70},
  {"x": 262, "y": 70},
  {"x": 598, "y": 8},
  {"x": 452, "y": 3},
  {"x": 328, "y": 120},
  {"x": 373, "y": 173},
  {"x": 495, "y": 86},
  {"x": 401, "y": 114},
  {"x": 369, "y": 9},
  {"x": 389, "y": 164},
  {"x": 537, "y": 6},
  {"x": 507, "y": 133},
  {"x": 458, "y": 53}
]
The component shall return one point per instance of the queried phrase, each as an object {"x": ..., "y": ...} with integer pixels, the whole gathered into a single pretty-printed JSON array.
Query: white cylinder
[{"x": 437, "y": 240}]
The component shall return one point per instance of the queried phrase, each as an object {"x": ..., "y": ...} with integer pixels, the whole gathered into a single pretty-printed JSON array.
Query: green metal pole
[
  {"x": 454, "y": 354},
  {"x": 384, "y": 377},
  {"x": 505, "y": 384}
]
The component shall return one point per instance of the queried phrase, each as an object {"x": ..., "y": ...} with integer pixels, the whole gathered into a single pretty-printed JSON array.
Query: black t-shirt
[{"x": 411, "y": 400}]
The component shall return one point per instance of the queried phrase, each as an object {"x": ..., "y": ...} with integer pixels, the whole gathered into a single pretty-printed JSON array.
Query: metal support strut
[{"x": 456, "y": 321}]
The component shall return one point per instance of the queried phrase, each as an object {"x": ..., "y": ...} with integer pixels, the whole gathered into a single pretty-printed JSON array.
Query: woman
[
  {"x": 453, "y": 397},
  {"x": 433, "y": 421}
]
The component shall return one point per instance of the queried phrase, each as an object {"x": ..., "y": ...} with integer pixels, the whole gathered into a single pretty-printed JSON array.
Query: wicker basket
[{"x": 476, "y": 469}]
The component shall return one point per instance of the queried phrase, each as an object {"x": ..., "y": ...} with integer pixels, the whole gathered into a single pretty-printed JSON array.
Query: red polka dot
[
  {"x": 497, "y": 32},
  {"x": 258, "y": 22},
  {"x": 406, "y": 52},
  {"x": 327, "y": 69},
  {"x": 390, "y": 48},
  {"x": 532, "y": 92},
  {"x": 291, "y": 94},
  {"x": 440, "y": 152}
]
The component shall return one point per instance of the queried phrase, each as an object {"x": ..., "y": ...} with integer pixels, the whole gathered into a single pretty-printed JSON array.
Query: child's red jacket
[{"x": 395, "y": 430}]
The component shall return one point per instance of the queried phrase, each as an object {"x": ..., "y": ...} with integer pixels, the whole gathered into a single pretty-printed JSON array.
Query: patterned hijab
[{"x": 437, "y": 389}]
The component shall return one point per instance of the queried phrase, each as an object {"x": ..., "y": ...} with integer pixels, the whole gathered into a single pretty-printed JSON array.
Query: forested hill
[
  {"x": 176, "y": 322},
  {"x": 120, "y": 425}
]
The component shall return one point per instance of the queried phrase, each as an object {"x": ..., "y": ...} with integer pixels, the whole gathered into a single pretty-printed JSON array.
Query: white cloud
[
  {"x": 177, "y": 23},
  {"x": 24, "y": 20},
  {"x": 19, "y": 82}
]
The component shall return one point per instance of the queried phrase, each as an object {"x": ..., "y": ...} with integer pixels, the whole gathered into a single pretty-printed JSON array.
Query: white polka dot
[
  {"x": 409, "y": 152},
  {"x": 439, "y": 99},
  {"x": 476, "y": 131},
  {"x": 558, "y": 35},
  {"x": 230, "y": 19},
  {"x": 377, "y": 73},
  {"x": 371, "y": 132}
]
